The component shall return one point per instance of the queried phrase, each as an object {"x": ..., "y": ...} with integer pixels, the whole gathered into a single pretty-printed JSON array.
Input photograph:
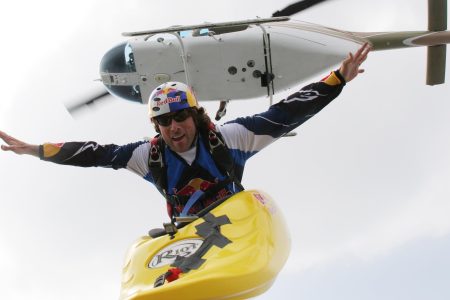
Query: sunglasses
[{"x": 179, "y": 116}]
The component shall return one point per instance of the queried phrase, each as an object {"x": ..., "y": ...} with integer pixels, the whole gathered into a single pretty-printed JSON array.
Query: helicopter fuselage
[{"x": 235, "y": 62}]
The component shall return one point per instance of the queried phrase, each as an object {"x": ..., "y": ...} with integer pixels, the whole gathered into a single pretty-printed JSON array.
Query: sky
[{"x": 364, "y": 185}]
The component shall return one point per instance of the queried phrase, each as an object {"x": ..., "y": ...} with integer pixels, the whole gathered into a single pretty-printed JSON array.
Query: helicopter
[{"x": 252, "y": 58}]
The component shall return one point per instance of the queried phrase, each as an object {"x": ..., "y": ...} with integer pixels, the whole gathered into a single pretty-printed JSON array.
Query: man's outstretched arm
[
  {"x": 17, "y": 146},
  {"x": 81, "y": 154},
  {"x": 248, "y": 135}
]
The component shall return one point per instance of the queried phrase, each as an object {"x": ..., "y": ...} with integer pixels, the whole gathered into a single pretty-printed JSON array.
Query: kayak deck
[{"x": 235, "y": 251}]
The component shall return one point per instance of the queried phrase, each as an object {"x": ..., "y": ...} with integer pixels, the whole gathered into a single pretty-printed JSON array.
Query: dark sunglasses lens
[
  {"x": 164, "y": 120},
  {"x": 181, "y": 115}
]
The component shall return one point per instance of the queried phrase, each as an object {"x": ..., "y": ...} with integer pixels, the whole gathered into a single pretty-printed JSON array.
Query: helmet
[{"x": 171, "y": 97}]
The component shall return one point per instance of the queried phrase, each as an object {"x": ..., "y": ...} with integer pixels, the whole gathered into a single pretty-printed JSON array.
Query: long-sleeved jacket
[{"x": 244, "y": 138}]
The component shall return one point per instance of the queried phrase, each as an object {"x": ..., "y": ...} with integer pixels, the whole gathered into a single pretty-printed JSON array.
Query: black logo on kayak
[{"x": 168, "y": 255}]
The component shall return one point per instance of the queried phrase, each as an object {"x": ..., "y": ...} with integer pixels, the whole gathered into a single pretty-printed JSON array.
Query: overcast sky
[{"x": 364, "y": 186}]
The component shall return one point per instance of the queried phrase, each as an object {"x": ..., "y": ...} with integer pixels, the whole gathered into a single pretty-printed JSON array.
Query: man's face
[{"x": 178, "y": 135}]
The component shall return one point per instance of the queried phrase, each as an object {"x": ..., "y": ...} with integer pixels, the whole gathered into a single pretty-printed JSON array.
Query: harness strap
[
  {"x": 156, "y": 163},
  {"x": 158, "y": 169},
  {"x": 194, "y": 198},
  {"x": 220, "y": 155}
]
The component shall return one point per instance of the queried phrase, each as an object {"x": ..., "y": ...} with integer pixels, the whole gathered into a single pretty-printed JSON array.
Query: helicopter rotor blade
[
  {"x": 296, "y": 7},
  {"x": 73, "y": 108}
]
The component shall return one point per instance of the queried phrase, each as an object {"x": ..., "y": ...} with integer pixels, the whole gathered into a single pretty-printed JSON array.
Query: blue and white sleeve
[{"x": 248, "y": 135}]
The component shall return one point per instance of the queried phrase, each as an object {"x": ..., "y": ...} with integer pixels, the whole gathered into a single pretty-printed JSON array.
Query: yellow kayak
[{"x": 234, "y": 251}]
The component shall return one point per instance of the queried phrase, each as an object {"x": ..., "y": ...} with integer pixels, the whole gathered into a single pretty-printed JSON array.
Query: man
[{"x": 194, "y": 163}]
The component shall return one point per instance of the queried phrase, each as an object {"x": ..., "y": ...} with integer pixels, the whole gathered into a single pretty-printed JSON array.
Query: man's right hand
[{"x": 18, "y": 146}]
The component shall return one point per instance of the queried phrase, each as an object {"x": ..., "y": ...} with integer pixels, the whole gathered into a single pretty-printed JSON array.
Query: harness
[{"x": 221, "y": 156}]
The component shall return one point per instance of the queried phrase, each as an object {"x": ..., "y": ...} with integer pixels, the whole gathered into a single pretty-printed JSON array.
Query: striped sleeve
[
  {"x": 248, "y": 135},
  {"x": 92, "y": 154}
]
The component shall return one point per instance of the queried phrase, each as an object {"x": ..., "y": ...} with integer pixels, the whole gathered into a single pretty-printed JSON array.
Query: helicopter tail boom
[{"x": 435, "y": 39}]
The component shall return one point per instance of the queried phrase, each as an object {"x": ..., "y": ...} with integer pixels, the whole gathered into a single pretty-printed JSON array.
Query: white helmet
[{"x": 171, "y": 97}]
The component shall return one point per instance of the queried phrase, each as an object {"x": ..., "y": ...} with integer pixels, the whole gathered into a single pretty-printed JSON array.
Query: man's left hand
[{"x": 350, "y": 67}]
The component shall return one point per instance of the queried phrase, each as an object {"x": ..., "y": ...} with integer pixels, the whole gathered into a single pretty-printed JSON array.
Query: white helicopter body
[
  {"x": 252, "y": 58},
  {"x": 236, "y": 64}
]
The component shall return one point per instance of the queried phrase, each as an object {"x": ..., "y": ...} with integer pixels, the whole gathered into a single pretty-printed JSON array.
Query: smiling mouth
[{"x": 177, "y": 138}]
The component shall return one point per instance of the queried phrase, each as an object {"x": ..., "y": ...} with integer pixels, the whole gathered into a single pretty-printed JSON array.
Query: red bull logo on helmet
[{"x": 169, "y": 100}]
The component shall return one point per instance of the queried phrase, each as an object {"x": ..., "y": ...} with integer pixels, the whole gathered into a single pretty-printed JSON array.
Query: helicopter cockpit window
[
  {"x": 119, "y": 59},
  {"x": 195, "y": 32},
  {"x": 119, "y": 62},
  {"x": 185, "y": 33},
  {"x": 213, "y": 31}
]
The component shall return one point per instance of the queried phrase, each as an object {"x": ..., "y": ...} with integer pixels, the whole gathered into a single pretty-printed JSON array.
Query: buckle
[
  {"x": 170, "y": 229},
  {"x": 214, "y": 140}
]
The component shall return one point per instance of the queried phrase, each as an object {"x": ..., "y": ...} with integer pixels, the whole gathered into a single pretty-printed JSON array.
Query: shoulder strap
[
  {"x": 159, "y": 170},
  {"x": 156, "y": 164},
  {"x": 221, "y": 154}
]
